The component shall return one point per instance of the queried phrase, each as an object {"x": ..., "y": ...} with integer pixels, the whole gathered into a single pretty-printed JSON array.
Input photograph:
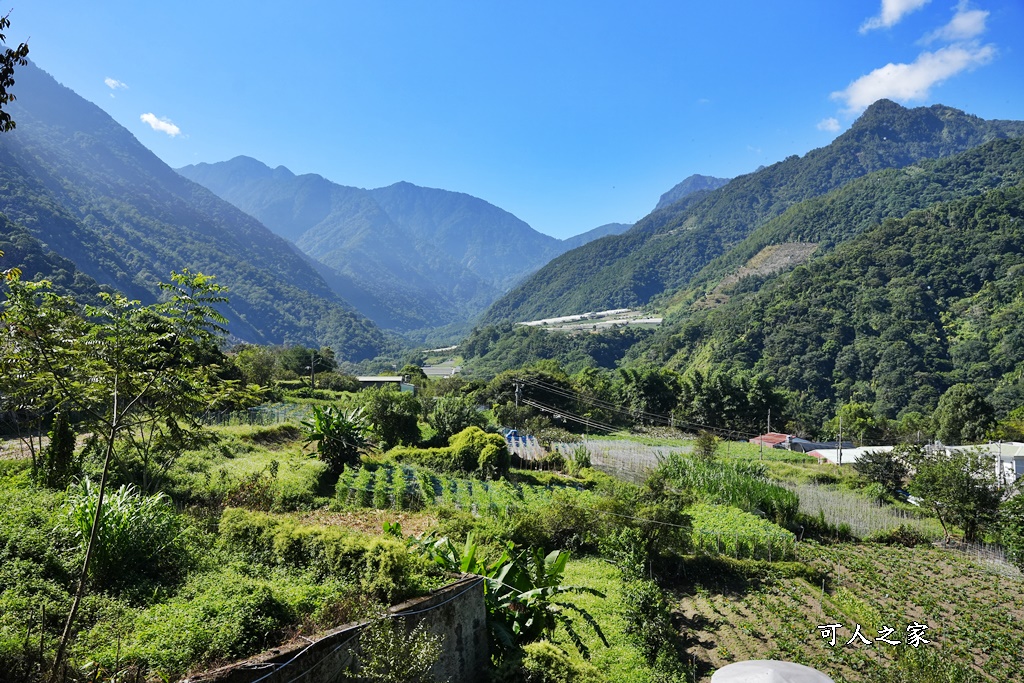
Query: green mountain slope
[
  {"x": 823, "y": 222},
  {"x": 84, "y": 186},
  {"x": 667, "y": 248},
  {"x": 892, "y": 317},
  {"x": 407, "y": 256}
]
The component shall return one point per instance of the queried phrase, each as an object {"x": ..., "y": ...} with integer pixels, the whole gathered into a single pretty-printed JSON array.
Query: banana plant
[{"x": 523, "y": 591}]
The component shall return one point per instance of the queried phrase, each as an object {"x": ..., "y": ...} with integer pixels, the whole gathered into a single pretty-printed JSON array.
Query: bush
[
  {"x": 902, "y": 535},
  {"x": 444, "y": 459},
  {"x": 470, "y": 443},
  {"x": 381, "y": 566},
  {"x": 648, "y": 619},
  {"x": 139, "y": 537}
]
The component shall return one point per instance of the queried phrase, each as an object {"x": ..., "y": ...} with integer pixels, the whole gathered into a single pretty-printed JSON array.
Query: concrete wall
[{"x": 456, "y": 612}]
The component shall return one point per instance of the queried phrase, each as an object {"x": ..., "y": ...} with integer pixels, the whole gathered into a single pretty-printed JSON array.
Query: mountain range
[
  {"x": 663, "y": 251},
  {"x": 408, "y": 257},
  {"x": 77, "y": 188}
]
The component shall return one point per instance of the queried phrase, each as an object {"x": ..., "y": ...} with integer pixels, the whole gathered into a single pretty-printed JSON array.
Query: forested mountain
[
  {"x": 86, "y": 189},
  {"x": 694, "y": 183},
  {"x": 596, "y": 233},
  {"x": 662, "y": 252},
  {"x": 409, "y": 257},
  {"x": 892, "y": 318}
]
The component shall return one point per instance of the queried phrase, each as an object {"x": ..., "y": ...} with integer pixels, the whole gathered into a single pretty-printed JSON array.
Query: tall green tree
[
  {"x": 960, "y": 487},
  {"x": 393, "y": 416},
  {"x": 138, "y": 375},
  {"x": 963, "y": 415}
]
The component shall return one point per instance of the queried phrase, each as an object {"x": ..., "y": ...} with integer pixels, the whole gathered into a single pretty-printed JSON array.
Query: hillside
[
  {"x": 663, "y": 251},
  {"x": 408, "y": 257},
  {"x": 892, "y": 318},
  {"x": 85, "y": 188},
  {"x": 694, "y": 183}
]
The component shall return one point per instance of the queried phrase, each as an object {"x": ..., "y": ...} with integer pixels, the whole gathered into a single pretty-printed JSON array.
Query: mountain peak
[{"x": 694, "y": 183}]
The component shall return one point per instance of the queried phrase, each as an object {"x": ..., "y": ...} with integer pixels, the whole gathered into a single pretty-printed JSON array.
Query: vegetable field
[
  {"x": 974, "y": 617},
  {"x": 725, "y": 530}
]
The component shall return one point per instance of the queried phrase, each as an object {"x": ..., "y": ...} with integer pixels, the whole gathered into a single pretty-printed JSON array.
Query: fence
[{"x": 270, "y": 414}]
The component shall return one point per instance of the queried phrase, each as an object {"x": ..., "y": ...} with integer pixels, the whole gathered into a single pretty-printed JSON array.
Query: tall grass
[{"x": 742, "y": 484}]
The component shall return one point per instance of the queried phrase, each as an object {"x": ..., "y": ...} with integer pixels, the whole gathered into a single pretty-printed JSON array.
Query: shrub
[
  {"x": 381, "y": 566},
  {"x": 57, "y": 462},
  {"x": 444, "y": 459},
  {"x": 138, "y": 537},
  {"x": 902, "y": 535},
  {"x": 470, "y": 443},
  {"x": 648, "y": 618}
]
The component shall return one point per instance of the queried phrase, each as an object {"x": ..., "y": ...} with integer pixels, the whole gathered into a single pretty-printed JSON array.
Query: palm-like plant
[
  {"x": 340, "y": 437},
  {"x": 523, "y": 592}
]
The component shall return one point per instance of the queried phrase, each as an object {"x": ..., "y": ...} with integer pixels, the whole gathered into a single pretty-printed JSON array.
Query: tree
[
  {"x": 887, "y": 468},
  {"x": 257, "y": 364},
  {"x": 649, "y": 393},
  {"x": 706, "y": 445},
  {"x": 392, "y": 416},
  {"x": 306, "y": 362},
  {"x": 963, "y": 415},
  {"x": 960, "y": 486},
  {"x": 451, "y": 414},
  {"x": 9, "y": 59},
  {"x": 859, "y": 423},
  {"x": 142, "y": 374}
]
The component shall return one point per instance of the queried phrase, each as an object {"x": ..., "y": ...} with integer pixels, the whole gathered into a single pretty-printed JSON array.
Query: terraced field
[{"x": 974, "y": 617}]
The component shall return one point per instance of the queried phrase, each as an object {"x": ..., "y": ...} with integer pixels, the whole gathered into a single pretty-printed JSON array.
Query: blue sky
[{"x": 568, "y": 114}]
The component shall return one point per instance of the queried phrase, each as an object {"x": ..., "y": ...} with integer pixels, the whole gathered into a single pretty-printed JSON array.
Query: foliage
[
  {"x": 963, "y": 416},
  {"x": 57, "y": 462},
  {"x": 706, "y": 446},
  {"x": 380, "y": 566},
  {"x": 1011, "y": 529},
  {"x": 452, "y": 414},
  {"x": 470, "y": 444},
  {"x": 899, "y": 306},
  {"x": 742, "y": 484},
  {"x": 887, "y": 468},
  {"x": 545, "y": 662},
  {"x": 725, "y": 530},
  {"x": 340, "y": 436},
  {"x": 389, "y": 654},
  {"x": 138, "y": 539},
  {"x": 648, "y": 618},
  {"x": 9, "y": 59},
  {"x": 960, "y": 487},
  {"x": 579, "y": 460},
  {"x": 523, "y": 591},
  {"x": 392, "y": 416}
]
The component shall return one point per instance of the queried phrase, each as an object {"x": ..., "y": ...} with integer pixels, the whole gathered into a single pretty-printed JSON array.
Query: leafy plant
[
  {"x": 522, "y": 590},
  {"x": 389, "y": 654},
  {"x": 340, "y": 437}
]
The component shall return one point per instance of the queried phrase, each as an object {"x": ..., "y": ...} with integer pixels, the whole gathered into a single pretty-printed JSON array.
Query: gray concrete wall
[{"x": 456, "y": 612}]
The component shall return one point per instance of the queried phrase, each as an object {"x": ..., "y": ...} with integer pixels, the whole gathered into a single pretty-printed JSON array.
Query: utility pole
[{"x": 840, "y": 439}]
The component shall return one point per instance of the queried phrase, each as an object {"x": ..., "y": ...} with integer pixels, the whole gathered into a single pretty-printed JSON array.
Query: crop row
[
  {"x": 726, "y": 530},
  {"x": 402, "y": 487}
]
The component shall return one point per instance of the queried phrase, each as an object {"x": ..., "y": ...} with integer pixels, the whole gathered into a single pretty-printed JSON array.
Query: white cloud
[
  {"x": 912, "y": 82},
  {"x": 965, "y": 25},
  {"x": 892, "y": 12},
  {"x": 115, "y": 84},
  {"x": 829, "y": 124},
  {"x": 163, "y": 125}
]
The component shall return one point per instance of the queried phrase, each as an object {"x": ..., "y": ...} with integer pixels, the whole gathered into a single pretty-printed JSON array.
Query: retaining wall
[{"x": 456, "y": 612}]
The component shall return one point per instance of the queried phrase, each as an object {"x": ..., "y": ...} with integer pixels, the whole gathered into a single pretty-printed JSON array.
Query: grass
[{"x": 621, "y": 662}]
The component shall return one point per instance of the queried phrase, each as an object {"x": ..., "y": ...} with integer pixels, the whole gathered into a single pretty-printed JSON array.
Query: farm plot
[
  {"x": 725, "y": 530},
  {"x": 409, "y": 488},
  {"x": 973, "y": 617},
  {"x": 863, "y": 516}
]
